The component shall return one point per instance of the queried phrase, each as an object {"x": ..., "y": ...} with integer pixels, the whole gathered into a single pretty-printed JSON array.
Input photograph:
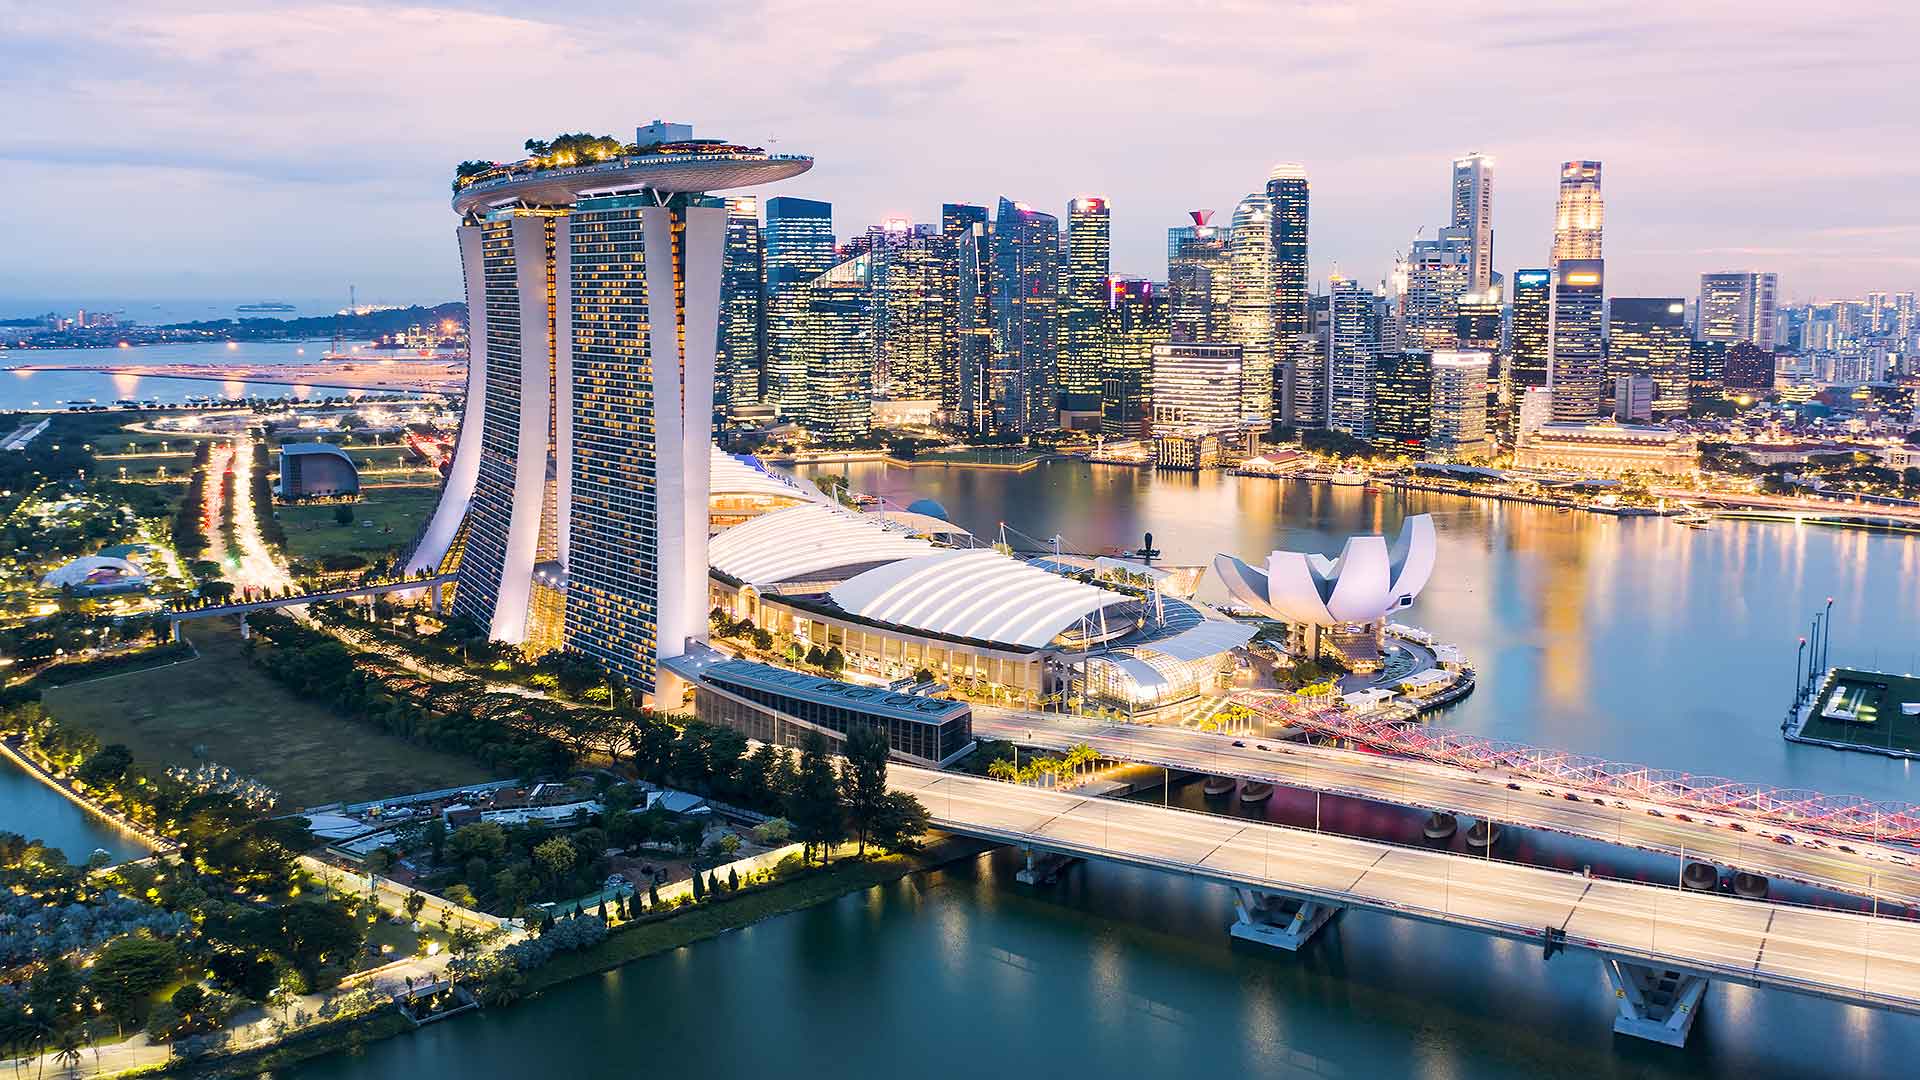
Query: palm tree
[
  {"x": 68, "y": 1052},
  {"x": 1002, "y": 769}
]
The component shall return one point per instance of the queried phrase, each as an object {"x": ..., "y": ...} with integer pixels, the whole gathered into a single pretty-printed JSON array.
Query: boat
[
  {"x": 1693, "y": 519},
  {"x": 1254, "y": 791},
  {"x": 1349, "y": 479}
]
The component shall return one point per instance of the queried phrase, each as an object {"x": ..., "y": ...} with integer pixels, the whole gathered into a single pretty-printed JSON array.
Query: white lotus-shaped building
[{"x": 1365, "y": 583}]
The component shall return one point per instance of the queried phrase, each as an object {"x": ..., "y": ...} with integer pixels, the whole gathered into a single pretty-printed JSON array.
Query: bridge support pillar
[
  {"x": 434, "y": 595},
  {"x": 173, "y": 630},
  {"x": 1654, "y": 1003},
  {"x": 1043, "y": 867},
  {"x": 245, "y": 630},
  {"x": 1282, "y": 922}
]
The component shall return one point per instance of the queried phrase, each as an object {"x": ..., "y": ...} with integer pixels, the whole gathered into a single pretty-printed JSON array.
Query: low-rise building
[
  {"x": 316, "y": 469},
  {"x": 1608, "y": 449}
]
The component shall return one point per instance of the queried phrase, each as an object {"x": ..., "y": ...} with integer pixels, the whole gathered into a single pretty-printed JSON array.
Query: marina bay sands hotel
[{"x": 576, "y": 508}]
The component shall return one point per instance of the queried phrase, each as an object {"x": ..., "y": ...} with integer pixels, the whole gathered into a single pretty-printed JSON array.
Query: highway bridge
[
  {"x": 1659, "y": 947},
  {"x": 242, "y": 608},
  {"x": 1729, "y": 838}
]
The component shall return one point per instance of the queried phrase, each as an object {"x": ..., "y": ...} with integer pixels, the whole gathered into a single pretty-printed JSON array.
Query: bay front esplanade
[{"x": 575, "y": 512}]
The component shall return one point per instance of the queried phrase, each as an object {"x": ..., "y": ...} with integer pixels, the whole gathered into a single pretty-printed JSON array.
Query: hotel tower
[{"x": 574, "y": 514}]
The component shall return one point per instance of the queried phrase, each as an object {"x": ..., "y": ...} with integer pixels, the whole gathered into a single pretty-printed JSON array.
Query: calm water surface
[
  {"x": 1637, "y": 640},
  {"x": 58, "y": 389},
  {"x": 31, "y": 809}
]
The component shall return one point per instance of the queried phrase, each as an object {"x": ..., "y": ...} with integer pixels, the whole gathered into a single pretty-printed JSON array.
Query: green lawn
[
  {"x": 397, "y": 513},
  {"x": 247, "y": 722}
]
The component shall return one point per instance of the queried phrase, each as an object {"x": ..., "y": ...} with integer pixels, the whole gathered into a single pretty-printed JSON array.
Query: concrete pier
[
  {"x": 1654, "y": 1003},
  {"x": 1283, "y": 922},
  {"x": 1043, "y": 867}
]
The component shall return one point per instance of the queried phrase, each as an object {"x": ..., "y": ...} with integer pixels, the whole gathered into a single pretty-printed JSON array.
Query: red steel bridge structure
[{"x": 1842, "y": 816}]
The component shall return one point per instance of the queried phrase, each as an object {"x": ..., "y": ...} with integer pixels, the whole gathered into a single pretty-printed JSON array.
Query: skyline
[{"x": 147, "y": 110}]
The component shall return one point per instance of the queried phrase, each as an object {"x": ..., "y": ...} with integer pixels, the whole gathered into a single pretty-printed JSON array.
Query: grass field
[
  {"x": 247, "y": 722},
  {"x": 1876, "y": 698},
  {"x": 397, "y": 514}
]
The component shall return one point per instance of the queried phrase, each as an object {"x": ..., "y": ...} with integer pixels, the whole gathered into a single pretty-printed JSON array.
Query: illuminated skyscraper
[
  {"x": 1739, "y": 307},
  {"x": 915, "y": 297},
  {"x": 1580, "y": 213},
  {"x": 1648, "y": 336},
  {"x": 1196, "y": 386},
  {"x": 838, "y": 344},
  {"x": 1024, "y": 290},
  {"x": 1301, "y": 374},
  {"x": 1438, "y": 273},
  {"x": 799, "y": 248},
  {"x": 1198, "y": 281},
  {"x": 1532, "y": 336},
  {"x": 965, "y": 396},
  {"x": 1355, "y": 320},
  {"x": 743, "y": 324},
  {"x": 1403, "y": 399},
  {"x": 1083, "y": 301},
  {"x": 1473, "y": 214},
  {"x": 1250, "y": 305},
  {"x": 576, "y": 505},
  {"x": 1576, "y": 366},
  {"x": 1134, "y": 322},
  {"x": 1460, "y": 404}
]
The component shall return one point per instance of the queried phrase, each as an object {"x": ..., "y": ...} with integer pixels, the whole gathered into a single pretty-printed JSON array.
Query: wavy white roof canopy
[
  {"x": 977, "y": 593},
  {"x": 1362, "y": 585},
  {"x": 806, "y": 540},
  {"x": 733, "y": 476}
]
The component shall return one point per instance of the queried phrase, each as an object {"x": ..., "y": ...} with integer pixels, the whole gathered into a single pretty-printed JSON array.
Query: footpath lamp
[{"x": 1796, "y": 670}]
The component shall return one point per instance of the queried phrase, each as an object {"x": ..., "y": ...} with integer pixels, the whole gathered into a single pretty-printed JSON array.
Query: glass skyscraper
[
  {"x": 799, "y": 248},
  {"x": 1083, "y": 301},
  {"x": 1301, "y": 379},
  {"x": 1579, "y": 214},
  {"x": 1134, "y": 322},
  {"x": 965, "y": 397},
  {"x": 1198, "y": 281},
  {"x": 743, "y": 326},
  {"x": 1576, "y": 366},
  {"x": 1403, "y": 399},
  {"x": 1250, "y": 305},
  {"x": 1648, "y": 336},
  {"x": 1022, "y": 380},
  {"x": 1355, "y": 321},
  {"x": 1473, "y": 216},
  {"x": 839, "y": 348}
]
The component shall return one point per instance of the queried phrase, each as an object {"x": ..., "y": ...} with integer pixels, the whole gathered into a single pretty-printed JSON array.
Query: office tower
[
  {"x": 1477, "y": 325},
  {"x": 1739, "y": 307},
  {"x": 1198, "y": 281},
  {"x": 1580, "y": 213},
  {"x": 1534, "y": 412},
  {"x": 1532, "y": 330},
  {"x": 1706, "y": 369},
  {"x": 1577, "y": 361},
  {"x": 1250, "y": 305},
  {"x": 1196, "y": 386},
  {"x": 1438, "y": 272},
  {"x": 838, "y": 344},
  {"x": 1024, "y": 290},
  {"x": 965, "y": 397},
  {"x": 1749, "y": 367},
  {"x": 575, "y": 511},
  {"x": 1460, "y": 404},
  {"x": 1134, "y": 322},
  {"x": 915, "y": 293},
  {"x": 1648, "y": 336},
  {"x": 1300, "y": 369},
  {"x": 1083, "y": 300},
  {"x": 1633, "y": 398},
  {"x": 1473, "y": 215},
  {"x": 1403, "y": 399},
  {"x": 743, "y": 324},
  {"x": 1355, "y": 321},
  {"x": 798, "y": 248}
]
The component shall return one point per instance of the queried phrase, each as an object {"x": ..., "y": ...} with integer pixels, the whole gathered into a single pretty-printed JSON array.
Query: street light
[{"x": 1796, "y": 670}]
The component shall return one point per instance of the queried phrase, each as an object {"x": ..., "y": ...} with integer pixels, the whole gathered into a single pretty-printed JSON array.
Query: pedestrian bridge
[
  {"x": 243, "y": 607},
  {"x": 1658, "y": 946}
]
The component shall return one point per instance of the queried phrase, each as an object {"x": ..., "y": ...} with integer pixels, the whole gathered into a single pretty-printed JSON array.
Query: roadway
[
  {"x": 1844, "y": 956},
  {"x": 1869, "y": 871}
]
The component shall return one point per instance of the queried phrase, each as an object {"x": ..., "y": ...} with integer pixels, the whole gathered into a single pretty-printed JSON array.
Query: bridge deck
[{"x": 1844, "y": 956}]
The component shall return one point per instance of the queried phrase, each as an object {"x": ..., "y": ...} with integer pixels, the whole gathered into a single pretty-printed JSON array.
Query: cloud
[{"x": 1729, "y": 129}]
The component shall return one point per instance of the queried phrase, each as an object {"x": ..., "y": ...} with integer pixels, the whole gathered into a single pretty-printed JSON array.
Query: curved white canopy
[
  {"x": 1363, "y": 584},
  {"x": 977, "y": 593},
  {"x": 733, "y": 476},
  {"x": 802, "y": 541}
]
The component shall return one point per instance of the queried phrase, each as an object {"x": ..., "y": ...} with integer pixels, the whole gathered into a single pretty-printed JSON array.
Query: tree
[
  {"x": 129, "y": 970},
  {"x": 772, "y": 832},
  {"x": 105, "y": 765},
  {"x": 814, "y": 805},
  {"x": 733, "y": 879},
  {"x": 899, "y": 822},
  {"x": 414, "y": 902},
  {"x": 555, "y": 857},
  {"x": 343, "y": 514},
  {"x": 317, "y": 933},
  {"x": 863, "y": 781},
  {"x": 699, "y": 887}
]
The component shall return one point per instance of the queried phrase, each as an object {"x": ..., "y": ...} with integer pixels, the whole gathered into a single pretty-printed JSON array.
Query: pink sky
[{"x": 168, "y": 150}]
